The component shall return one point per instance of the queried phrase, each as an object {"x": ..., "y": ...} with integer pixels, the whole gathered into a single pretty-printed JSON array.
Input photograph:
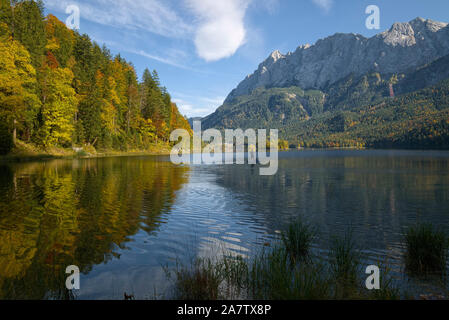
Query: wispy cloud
[
  {"x": 214, "y": 101},
  {"x": 160, "y": 59},
  {"x": 197, "y": 106},
  {"x": 150, "y": 15},
  {"x": 183, "y": 106},
  {"x": 188, "y": 109},
  {"x": 168, "y": 53},
  {"x": 220, "y": 27},
  {"x": 217, "y": 28},
  {"x": 326, "y": 5}
]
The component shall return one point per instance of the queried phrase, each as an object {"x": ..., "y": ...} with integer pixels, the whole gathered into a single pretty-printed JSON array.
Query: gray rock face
[{"x": 404, "y": 47}]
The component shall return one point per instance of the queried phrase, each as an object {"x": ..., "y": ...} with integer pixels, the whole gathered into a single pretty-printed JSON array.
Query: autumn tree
[
  {"x": 18, "y": 102},
  {"x": 60, "y": 40},
  {"x": 6, "y": 12},
  {"x": 28, "y": 27},
  {"x": 58, "y": 104},
  {"x": 59, "y": 88}
]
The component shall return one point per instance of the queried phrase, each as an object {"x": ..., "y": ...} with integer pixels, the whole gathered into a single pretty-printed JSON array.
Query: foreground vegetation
[
  {"x": 427, "y": 250},
  {"x": 287, "y": 271},
  {"x": 290, "y": 271},
  {"x": 59, "y": 89}
]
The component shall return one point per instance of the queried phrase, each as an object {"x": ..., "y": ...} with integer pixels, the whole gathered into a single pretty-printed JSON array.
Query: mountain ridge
[
  {"x": 390, "y": 90},
  {"x": 403, "y": 47}
]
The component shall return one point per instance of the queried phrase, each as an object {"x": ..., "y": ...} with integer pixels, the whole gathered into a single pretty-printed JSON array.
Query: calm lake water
[{"x": 122, "y": 220}]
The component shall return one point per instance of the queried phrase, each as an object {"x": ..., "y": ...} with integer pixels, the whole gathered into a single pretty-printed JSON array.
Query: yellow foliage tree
[
  {"x": 18, "y": 101},
  {"x": 59, "y": 105}
]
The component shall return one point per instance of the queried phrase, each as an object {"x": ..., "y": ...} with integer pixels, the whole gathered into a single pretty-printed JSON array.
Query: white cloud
[
  {"x": 159, "y": 59},
  {"x": 155, "y": 16},
  {"x": 190, "y": 111},
  {"x": 217, "y": 27},
  {"x": 196, "y": 106},
  {"x": 326, "y": 5},
  {"x": 220, "y": 30}
]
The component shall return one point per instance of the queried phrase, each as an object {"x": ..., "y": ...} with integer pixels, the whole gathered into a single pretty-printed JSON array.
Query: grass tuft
[
  {"x": 297, "y": 240},
  {"x": 201, "y": 282},
  {"x": 285, "y": 271},
  {"x": 344, "y": 263},
  {"x": 426, "y": 250}
]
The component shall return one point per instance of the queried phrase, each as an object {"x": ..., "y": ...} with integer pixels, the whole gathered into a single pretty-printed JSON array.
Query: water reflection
[
  {"x": 61, "y": 213},
  {"x": 122, "y": 219},
  {"x": 374, "y": 191},
  {"x": 376, "y": 194}
]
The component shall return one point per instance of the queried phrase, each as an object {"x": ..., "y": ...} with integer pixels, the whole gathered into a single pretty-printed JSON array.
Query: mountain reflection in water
[{"x": 122, "y": 220}]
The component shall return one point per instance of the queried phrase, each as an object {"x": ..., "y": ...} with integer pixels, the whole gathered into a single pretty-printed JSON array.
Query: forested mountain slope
[{"x": 60, "y": 89}]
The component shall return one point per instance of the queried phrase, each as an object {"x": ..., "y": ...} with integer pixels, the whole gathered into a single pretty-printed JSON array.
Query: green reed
[
  {"x": 426, "y": 250},
  {"x": 286, "y": 271}
]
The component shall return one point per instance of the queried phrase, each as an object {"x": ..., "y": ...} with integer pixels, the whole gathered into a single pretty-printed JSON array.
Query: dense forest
[
  {"x": 416, "y": 120},
  {"x": 59, "y": 89}
]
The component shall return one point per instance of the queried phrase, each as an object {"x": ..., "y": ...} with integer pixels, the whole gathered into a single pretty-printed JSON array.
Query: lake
[{"x": 124, "y": 220}]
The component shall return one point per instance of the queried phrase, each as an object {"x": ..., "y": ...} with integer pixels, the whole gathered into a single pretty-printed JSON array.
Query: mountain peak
[
  {"x": 418, "y": 19},
  {"x": 276, "y": 55},
  {"x": 273, "y": 58},
  {"x": 420, "y": 24},
  {"x": 407, "y": 34},
  {"x": 401, "y": 34},
  {"x": 404, "y": 46}
]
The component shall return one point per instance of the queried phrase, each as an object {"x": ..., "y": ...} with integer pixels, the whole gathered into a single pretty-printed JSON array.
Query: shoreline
[
  {"x": 65, "y": 154},
  {"x": 27, "y": 153},
  {"x": 48, "y": 157}
]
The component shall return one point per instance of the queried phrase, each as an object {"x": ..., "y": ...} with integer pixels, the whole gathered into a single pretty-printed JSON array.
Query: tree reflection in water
[{"x": 80, "y": 212}]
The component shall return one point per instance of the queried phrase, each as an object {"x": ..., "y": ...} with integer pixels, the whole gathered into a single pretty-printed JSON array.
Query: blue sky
[{"x": 203, "y": 48}]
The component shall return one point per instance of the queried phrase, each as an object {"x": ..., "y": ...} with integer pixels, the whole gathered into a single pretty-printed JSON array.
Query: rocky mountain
[
  {"x": 401, "y": 49},
  {"x": 348, "y": 90}
]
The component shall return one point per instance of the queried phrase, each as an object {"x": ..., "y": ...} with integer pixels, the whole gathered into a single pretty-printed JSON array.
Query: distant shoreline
[
  {"x": 45, "y": 157},
  {"x": 17, "y": 158},
  {"x": 27, "y": 153}
]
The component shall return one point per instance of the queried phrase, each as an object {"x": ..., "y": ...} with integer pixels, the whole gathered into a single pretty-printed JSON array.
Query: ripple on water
[{"x": 122, "y": 219}]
